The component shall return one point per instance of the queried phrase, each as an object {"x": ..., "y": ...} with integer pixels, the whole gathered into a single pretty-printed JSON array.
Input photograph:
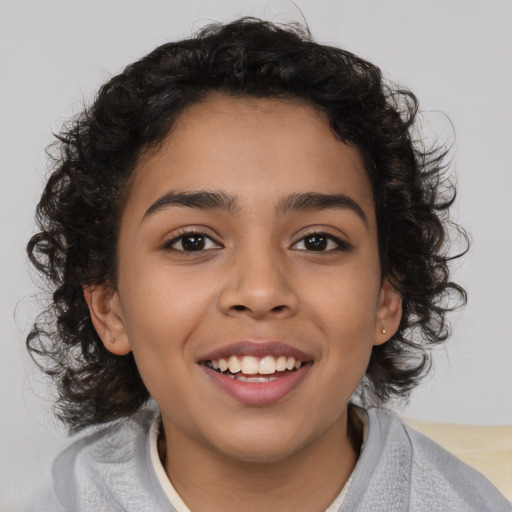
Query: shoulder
[
  {"x": 117, "y": 443},
  {"x": 109, "y": 470},
  {"x": 450, "y": 477},
  {"x": 439, "y": 478},
  {"x": 401, "y": 469}
]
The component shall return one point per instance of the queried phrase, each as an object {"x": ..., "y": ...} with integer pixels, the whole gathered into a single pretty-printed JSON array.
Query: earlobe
[
  {"x": 389, "y": 313},
  {"x": 107, "y": 318}
]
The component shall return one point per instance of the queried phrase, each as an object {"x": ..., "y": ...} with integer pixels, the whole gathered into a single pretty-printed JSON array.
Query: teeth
[
  {"x": 234, "y": 364},
  {"x": 254, "y": 379},
  {"x": 281, "y": 364},
  {"x": 267, "y": 365},
  {"x": 249, "y": 365}
]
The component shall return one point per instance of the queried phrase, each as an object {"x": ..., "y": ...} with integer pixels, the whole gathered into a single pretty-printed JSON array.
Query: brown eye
[
  {"x": 320, "y": 242},
  {"x": 315, "y": 243},
  {"x": 192, "y": 242}
]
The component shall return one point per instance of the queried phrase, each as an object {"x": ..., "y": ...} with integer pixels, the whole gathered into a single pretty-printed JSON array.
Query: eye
[
  {"x": 192, "y": 242},
  {"x": 320, "y": 242}
]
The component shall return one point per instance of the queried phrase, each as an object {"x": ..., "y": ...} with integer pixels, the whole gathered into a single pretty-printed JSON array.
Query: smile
[
  {"x": 257, "y": 373},
  {"x": 241, "y": 368}
]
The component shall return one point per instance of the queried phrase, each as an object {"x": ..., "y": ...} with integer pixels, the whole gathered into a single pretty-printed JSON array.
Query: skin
[{"x": 258, "y": 278}]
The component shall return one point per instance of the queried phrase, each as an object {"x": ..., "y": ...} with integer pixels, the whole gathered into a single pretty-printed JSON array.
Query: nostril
[{"x": 275, "y": 309}]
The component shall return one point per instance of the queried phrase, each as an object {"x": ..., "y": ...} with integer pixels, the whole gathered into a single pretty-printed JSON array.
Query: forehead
[{"x": 262, "y": 149}]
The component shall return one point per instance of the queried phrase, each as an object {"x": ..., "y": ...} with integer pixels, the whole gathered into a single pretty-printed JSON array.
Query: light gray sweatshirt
[{"x": 399, "y": 470}]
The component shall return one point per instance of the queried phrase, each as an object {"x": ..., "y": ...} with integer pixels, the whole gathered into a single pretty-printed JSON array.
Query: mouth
[
  {"x": 254, "y": 369},
  {"x": 257, "y": 373}
]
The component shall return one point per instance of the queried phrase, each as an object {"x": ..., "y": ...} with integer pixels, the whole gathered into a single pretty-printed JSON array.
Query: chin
[
  {"x": 257, "y": 455},
  {"x": 261, "y": 447}
]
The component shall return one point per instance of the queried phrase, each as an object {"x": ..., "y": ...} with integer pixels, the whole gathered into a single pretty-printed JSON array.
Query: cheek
[
  {"x": 347, "y": 303},
  {"x": 346, "y": 314},
  {"x": 158, "y": 298},
  {"x": 161, "y": 312}
]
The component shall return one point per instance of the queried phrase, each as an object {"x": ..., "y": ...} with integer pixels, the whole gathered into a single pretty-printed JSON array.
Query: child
[{"x": 242, "y": 228}]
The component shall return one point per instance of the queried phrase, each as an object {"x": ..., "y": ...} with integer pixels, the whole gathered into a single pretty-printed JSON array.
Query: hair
[{"x": 97, "y": 151}]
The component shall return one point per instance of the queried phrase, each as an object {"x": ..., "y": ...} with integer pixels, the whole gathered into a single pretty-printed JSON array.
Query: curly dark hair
[{"x": 96, "y": 152}]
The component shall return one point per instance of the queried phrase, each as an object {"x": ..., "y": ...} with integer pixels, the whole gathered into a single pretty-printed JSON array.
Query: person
[{"x": 248, "y": 254}]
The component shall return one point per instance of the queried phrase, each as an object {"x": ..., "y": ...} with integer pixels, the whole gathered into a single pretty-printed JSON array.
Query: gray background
[{"x": 455, "y": 55}]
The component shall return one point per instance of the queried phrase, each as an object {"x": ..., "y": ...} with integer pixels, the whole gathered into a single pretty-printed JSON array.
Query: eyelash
[{"x": 341, "y": 245}]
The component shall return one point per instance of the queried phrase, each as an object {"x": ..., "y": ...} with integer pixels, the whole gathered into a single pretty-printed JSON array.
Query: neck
[{"x": 309, "y": 479}]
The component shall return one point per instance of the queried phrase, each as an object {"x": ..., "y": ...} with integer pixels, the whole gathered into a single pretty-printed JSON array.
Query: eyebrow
[
  {"x": 305, "y": 201},
  {"x": 200, "y": 199},
  {"x": 314, "y": 201}
]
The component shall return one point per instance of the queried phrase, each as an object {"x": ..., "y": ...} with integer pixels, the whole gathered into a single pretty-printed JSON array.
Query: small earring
[
  {"x": 383, "y": 331},
  {"x": 113, "y": 340}
]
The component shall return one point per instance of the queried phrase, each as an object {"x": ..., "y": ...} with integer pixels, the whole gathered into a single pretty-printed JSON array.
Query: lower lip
[{"x": 258, "y": 393}]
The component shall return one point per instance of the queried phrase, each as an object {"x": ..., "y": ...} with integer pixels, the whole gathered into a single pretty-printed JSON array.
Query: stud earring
[
  {"x": 113, "y": 340},
  {"x": 383, "y": 331}
]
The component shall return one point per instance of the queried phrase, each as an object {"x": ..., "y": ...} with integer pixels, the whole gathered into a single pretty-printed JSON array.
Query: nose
[{"x": 260, "y": 287}]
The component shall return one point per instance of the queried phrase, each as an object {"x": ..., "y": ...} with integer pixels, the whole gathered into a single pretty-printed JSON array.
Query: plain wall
[{"x": 455, "y": 55}]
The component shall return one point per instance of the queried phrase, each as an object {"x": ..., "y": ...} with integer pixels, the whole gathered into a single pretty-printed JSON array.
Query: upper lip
[{"x": 256, "y": 349}]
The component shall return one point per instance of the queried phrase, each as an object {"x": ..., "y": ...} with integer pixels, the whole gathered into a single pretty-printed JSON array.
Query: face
[{"x": 249, "y": 240}]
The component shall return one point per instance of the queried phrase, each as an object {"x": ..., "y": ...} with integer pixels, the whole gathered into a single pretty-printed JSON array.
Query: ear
[
  {"x": 107, "y": 318},
  {"x": 389, "y": 313}
]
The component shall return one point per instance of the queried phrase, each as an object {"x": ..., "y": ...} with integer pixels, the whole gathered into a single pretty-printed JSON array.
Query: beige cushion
[{"x": 487, "y": 449}]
